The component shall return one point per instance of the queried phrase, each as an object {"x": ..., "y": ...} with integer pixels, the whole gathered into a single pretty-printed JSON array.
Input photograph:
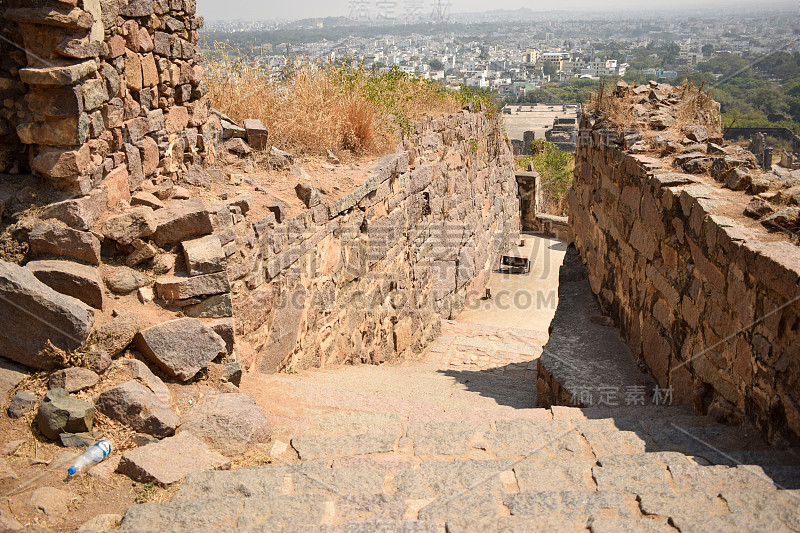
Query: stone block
[
  {"x": 58, "y": 75},
  {"x": 181, "y": 347},
  {"x": 257, "y": 135},
  {"x": 48, "y": 239},
  {"x": 170, "y": 460},
  {"x": 183, "y": 288},
  {"x": 204, "y": 255},
  {"x": 70, "y": 278}
]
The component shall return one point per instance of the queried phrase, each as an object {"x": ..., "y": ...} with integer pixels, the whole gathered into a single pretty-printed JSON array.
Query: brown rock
[
  {"x": 117, "y": 334},
  {"x": 237, "y": 146},
  {"x": 758, "y": 208},
  {"x": 34, "y": 314},
  {"x": 117, "y": 186},
  {"x": 182, "y": 347},
  {"x": 137, "y": 406},
  {"x": 142, "y": 251},
  {"x": 64, "y": 131},
  {"x": 133, "y": 71},
  {"x": 73, "y": 379},
  {"x": 58, "y": 75},
  {"x": 150, "y": 157},
  {"x": 257, "y": 135},
  {"x": 134, "y": 224},
  {"x": 177, "y": 119},
  {"x": 146, "y": 199},
  {"x": 125, "y": 280},
  {"x": 171, "y": 460},
  {"x": 229, "y": 423},
  {"x": 149, "y": 71},
  {"x": 62, "y": 162},
  {"x": 70, "y": 278},
  {"x": 48, "y": 239},
  {"x": 181, "y": 220},
  {"x": 80, "y": 213},
  {"x": 204, "y": 255},
  {"x": 183, "y": 288}
]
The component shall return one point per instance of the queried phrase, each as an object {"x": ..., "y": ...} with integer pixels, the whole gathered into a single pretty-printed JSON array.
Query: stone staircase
[
  {"x": 637, "y": 469},
  {"x": 455, "y": 443}
]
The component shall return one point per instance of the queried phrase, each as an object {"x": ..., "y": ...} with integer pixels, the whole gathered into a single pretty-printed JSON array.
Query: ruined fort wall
[
  {"x": 709, "y": 303},
  {"x": 368, "y": 278},
  {"x": 91, "y": 86}
]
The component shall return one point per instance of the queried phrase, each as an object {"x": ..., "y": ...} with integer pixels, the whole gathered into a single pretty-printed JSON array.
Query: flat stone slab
[
  {"x": 551, "y": 476},
  {"x": 444, "y": 438},
  {"x": 181, "y": 220},
  {"x": 573, "y": 506},
  {"x": 229, "y": 423},
  {"x": 451, "y": 478},
  {"x": 170, "y": 460},
  {"x": 311, "y": 448},
  {"x": 10, "y": 376}
]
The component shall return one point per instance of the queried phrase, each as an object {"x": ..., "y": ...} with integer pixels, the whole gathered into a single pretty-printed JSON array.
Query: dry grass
[
  {"x": 695, "y": 107},
  {"x": 309, "y": 109}
]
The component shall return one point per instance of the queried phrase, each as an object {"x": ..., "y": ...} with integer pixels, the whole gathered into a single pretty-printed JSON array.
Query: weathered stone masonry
[
  {"x": 710, "y": 304},
  {"x": 368, "y": 278},
  {"x": 109, "y": 86}
]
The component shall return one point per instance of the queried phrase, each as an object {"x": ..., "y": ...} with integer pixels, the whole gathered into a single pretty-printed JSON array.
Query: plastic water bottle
[{"x": 94, "y": 454}]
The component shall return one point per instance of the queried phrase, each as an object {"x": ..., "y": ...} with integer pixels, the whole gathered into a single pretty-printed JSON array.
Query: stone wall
[
  {"x": 367, "y": 278},
  {"x": 102, "y": 86},
  {"x": 708, "y": 300}
]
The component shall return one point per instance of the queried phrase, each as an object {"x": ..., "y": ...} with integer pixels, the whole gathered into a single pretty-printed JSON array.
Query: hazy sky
[{"x": 297, "y": 9}]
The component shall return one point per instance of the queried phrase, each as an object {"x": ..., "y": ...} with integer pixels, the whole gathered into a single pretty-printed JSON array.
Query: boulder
[
  {"x": 309, "y": 194},
  {"x": 61, "y": 413},
  {"x": 101, "y": 523},
  {"x": 137, "y": 406},
  {"x": 73, "y": 379},
  {"x": 181, "y": 347},
  {"x": 8, "y": 479},
  {"x": 116, "y": 334},
  {"x": 257, "y": 134},
  {"x": 182, "y": 220},
  {"x": 204, "y": 255},
  {"x": 73, "y": 279},
  {"x": 182, "y": 287},
  {"x": 22, "y": 403},
  {"x": 758, "y": 207},
  {"x": 47, "y": 239},
  {"x": 33, "y": 314},
  {"x": 126, "y": 280},
  {"x": 170, "y": 460},
  {"x": 224, "y": 328},
  {"x": 125, "y": 228},
  {"x": 229, "y": 423}
]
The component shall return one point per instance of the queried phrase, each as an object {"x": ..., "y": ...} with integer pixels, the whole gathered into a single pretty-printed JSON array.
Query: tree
[
  {"x": 671, "y": 54},
  {"x": 435, "y": 64},
  {"x": 708, "y": 50},
  {"x": 550, "y": 69}
]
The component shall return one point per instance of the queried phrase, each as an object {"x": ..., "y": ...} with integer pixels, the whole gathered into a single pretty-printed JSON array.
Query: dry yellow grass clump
[{"x": 310, "y": 108}]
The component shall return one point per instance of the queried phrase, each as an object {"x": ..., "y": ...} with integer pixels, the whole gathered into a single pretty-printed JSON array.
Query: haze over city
[{"x": 257, "y": 9}]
